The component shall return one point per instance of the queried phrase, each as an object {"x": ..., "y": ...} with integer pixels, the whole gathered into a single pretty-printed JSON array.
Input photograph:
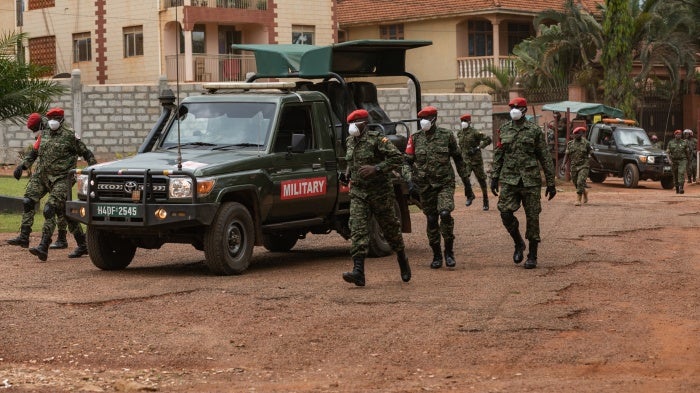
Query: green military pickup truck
[{"x": 248, "y": 163}]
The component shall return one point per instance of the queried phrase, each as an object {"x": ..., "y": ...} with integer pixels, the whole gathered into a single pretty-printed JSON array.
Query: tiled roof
[{"x": 360, "y": 12}]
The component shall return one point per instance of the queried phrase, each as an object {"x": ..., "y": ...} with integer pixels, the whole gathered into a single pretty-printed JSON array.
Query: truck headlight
[
  {"x": 82, "y": 183},
  {"x": 180, "y": 187},
  {"x": 651, "y": 159}
]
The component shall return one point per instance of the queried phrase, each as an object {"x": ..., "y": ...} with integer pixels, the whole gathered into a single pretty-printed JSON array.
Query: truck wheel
[
  {"x": 280, "y": 242},
  {"x": 597, "y": 177},
  {"x": 228, "y": 242},
  {"x": 667, "y": 182},
  {"x": 378, "y": 246},
  {"x": 109, "y": 252},
  {"x": 631, "y": 175}
]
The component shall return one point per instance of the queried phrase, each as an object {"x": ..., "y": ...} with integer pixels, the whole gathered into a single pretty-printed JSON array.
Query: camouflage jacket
[
  {"x": 371, "y": 148},
  {"x": 692, "y": 144},
  {"x": 520, "y": 152},
  {"x": 431, "y": 158},
  {"x": 58, "y": 153},
  {"x": 678, "y": 149},
  {"x": 469, "y": 138},
  {"x": 577, "y": 152}
]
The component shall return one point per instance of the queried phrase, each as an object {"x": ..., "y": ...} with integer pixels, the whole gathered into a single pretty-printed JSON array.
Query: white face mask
[
  {"x": 425, "y": 124},
  {"x": 516, "y": 114},
  {"x": 54, "y": 124},
  {"x": 353, "y": 130},
  {"x": 465, "y": 124}
]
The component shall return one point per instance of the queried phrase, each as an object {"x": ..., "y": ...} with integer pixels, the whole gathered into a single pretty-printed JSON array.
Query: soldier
[
  {"x": 429, "y": 150},
  {"x": 655, "y": 142},
  {"x": 520, "y": 152},
  {"x": 371, "y": 158},
  {"x": 679, "y": 152},
  {"x": 471, "y": 142},
  {"x": 57, "y": 152},
  {"x": 577, "y": 152},
  {"x": 692, "y": 162}
]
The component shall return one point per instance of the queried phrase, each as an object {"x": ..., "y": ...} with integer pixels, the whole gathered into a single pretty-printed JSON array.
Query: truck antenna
[{"x": 177, "y": 89}]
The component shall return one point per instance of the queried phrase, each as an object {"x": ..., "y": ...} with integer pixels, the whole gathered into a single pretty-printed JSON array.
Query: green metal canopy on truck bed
[
  {"x": 583, "y": 108},
  {"x": 348, "y": 59}
]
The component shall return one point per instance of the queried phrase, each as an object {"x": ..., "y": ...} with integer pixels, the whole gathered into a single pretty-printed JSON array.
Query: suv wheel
[
  {"x": 108, "y": 252},
  {"x": 631, "y": 175},
  {"x": 228, "y": 242},
  {"x": 378, "y": 246},
  {"x": 667, "y": 182},
  {"x": 597, "y": 177}
]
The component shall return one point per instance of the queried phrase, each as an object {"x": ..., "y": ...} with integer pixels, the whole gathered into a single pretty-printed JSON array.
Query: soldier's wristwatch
[{"x": 378, "y": 168}]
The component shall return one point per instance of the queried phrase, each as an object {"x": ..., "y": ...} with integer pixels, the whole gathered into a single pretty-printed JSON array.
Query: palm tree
[
  {"x": 22, "y": 91},
  {"x": 502, "y": 81}
]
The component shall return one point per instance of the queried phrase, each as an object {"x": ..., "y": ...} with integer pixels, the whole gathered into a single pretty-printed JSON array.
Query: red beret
[
  {"x": 428, "y": 111},
  {"x": 466, "y": 117},
  {"x": 358, "y": 114},
  {"x": 518, "y": 102},
  {"x": 579, "y": 129},
  {"x": 55, "y": 112},
  {"x": 34, "y": 121},
  {"x": 677, "y": 132}
]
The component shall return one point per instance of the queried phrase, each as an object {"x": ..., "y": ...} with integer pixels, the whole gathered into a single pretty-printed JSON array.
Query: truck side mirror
[{"x": 298, "y": 143}]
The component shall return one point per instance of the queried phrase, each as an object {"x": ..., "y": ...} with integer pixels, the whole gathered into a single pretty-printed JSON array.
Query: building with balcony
[{"x": 131, "y": 41}]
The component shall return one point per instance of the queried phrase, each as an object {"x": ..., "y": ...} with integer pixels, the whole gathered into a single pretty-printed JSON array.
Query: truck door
[
  {"x": 604, "y": 148},
  {"x": 303, "y": 186}
]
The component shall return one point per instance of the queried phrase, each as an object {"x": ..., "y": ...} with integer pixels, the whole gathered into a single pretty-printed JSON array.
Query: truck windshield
[
  {"x": 212, "y": 124},
  {"x": 632, "y": 136}
]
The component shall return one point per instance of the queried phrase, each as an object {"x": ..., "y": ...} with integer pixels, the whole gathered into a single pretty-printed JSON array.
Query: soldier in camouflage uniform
[
  {"x": 577, "y": 152},
  {"x": 35, "y": 124},
  {"x": 471, "y": 142},
  {"x": 655, "y": 142},
  {"x": 679, "y": 152},
  {"x": 520, "y": 152},
  {"x": 371, "y": 158},
  {"x": 57, "y": 153},
  {"x": 692, "y": 161},
  {"x": 429, "y": 150}
]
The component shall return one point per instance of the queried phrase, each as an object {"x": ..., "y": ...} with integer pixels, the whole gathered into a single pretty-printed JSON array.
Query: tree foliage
[
  {"x": 618, "y": 31},
  {"x": 22, "y": 90}
]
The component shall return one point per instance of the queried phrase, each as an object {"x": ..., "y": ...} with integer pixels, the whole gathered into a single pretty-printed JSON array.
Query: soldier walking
[
  {"x": 655, "y": 142},
  {"x": 679, "y": 152},
  {"x": 57, "y": 153},
  {"x": 519, "y": 154},
  {"x": 692, "y": 161},
  {"x": 430, "y": 150},
  {"x": 577, "y": 152},
  {"x": 371, "y": 158},
  {"x": 471, "y": 142}
]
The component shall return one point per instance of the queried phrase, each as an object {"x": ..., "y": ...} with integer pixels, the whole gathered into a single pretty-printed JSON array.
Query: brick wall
[{"x": 113, "y": 120}]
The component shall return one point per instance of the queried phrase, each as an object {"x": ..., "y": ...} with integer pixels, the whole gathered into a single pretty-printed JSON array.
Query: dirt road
[{"x": 613, "y": 306}]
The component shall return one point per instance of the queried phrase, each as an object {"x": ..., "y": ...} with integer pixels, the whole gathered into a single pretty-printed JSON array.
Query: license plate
[{"x": 115, "y": 210}]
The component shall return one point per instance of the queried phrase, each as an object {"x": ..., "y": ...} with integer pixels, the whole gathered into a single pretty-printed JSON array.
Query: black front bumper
[{"x": 176, "y": 215}]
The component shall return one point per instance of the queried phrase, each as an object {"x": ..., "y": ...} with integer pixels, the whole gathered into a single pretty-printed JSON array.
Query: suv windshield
[
  {"x": 632, "y": 136},
  {"x": 212, "y": 124}
]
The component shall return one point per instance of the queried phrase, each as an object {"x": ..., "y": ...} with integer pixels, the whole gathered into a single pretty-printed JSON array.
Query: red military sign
[{"x": 302, "y": 188}]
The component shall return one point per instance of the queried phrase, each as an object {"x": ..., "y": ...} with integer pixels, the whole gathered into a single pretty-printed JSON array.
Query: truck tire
[
  {"x": 597, "y": 177},
  {"x": 228, "y": 242},
  {"x": 630, "y": 175},
  {"x": 378, "y": 246},
  {"x": 108, "y": 252},
  {"x": 279, "y": 242},
  {"x": 667, "y": 182}
]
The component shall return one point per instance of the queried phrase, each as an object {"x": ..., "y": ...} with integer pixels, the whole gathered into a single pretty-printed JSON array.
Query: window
[
  {"x": 391, "y": 32},
  {"x": 517, "y": 33},
  {"x": 19, "y": 9},
  {"x": 82, "y": 48},
  {"x": 133, "y": 41},
  {"x": 303, "y": 35},
  {"x": 42, "y": 51},
  {"x": 39, "y": 4},
  {"x": 199, "y": 39},
  {"x": 480, "y": 38}
]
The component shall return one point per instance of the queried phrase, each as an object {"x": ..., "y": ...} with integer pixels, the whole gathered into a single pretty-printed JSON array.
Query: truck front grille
[{"x": 122, "y": 188}]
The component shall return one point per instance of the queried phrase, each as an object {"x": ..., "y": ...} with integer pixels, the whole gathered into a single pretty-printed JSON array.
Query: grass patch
[{"x": 10, "y": 222}]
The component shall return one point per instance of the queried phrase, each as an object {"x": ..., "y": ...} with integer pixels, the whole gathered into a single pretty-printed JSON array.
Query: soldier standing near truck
[
  {"x": 471, "y": 142},
  {"x": 679, "y": 152},
  {"x": 577, "y": 152},
  {"x": 371, "y": 159},
  {"x": 692, "y": 161}
]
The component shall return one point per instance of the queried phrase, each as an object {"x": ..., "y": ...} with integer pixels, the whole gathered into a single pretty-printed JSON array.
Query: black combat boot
[
  {"x": 42, "y": 250},
  {"x": 449, "y": 254},
  {"x": 470, "y": 194},
  {"x": 486, "y": 202},
  {"x": 82, "y": 245},
  {"x": 519, "y": 244},
  {"x": 531, "y": 262},
  {"x": 22, "y": 239},
  {"x": 404, "y": 266},
  {"x": 357, "y": 275},
  {"x": 437, "y": 256},
  {"x": 680, "y": 189},
  {"x": 60, "y": 242}
]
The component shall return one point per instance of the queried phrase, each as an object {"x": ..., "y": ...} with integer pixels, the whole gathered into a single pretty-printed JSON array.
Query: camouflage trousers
[
  {"x": 578, "y": 177},
  {"x": 692, "y": 167},
  {"x": 477, "y": 166},
  {"x": 435, "y": 200},
  {"x": 34, "y": 192},
  {"x": 379, "y": 206},
  {"x": 512, "y": 197},
  {"x": 678, "y": 168},
  {"x": 57, "y": 190}
]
